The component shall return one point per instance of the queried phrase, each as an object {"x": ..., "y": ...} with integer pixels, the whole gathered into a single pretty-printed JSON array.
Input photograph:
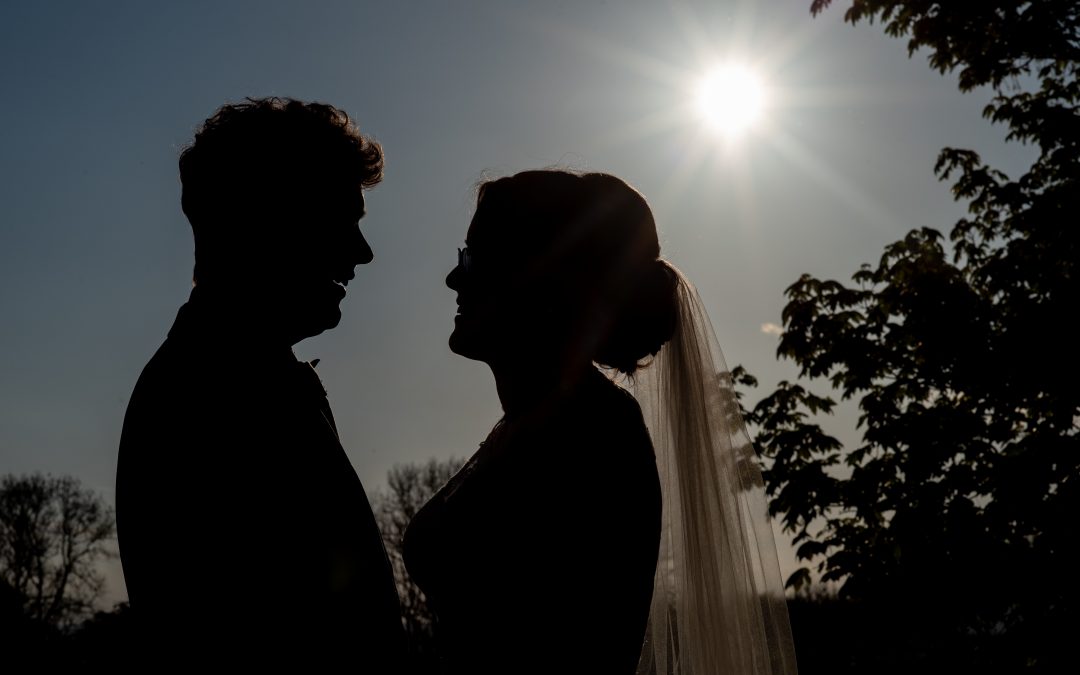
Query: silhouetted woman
[{"x": 541, "y": 554}]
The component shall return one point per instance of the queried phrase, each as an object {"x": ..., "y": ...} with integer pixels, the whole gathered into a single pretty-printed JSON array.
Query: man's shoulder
[
  {"x": 185, "y": 411},
  {"x": 175, "y": 373}
]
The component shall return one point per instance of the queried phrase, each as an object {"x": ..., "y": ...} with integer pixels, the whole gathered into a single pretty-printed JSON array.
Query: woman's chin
[
  {"x": 464, "y": 344},
  {"x": 458, "y": 344}
]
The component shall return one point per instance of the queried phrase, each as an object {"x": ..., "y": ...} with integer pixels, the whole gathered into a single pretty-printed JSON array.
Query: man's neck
[{"x": 231, "y": 316}]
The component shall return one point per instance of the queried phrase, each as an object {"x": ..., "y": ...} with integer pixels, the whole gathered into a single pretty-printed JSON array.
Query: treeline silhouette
[{"x": 834, "y": 632}]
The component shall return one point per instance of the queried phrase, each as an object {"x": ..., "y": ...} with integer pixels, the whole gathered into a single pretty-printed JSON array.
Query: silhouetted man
[{"x": 245, "y": 534}]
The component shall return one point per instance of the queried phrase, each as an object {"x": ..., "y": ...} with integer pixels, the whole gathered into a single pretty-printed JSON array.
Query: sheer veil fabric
[{"x": 718, "y": 604}]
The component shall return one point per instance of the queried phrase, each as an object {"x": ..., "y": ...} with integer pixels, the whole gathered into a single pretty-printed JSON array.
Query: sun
[{"x": 730, "y": 99}]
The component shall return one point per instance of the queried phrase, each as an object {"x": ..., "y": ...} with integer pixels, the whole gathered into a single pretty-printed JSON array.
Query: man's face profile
[
  {"x": 312, "y": 259},
  {"x": 273, "y": 189}
]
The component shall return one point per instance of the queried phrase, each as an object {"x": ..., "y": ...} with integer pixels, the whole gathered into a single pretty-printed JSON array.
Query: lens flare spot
[{"x": 730, "y": 99}]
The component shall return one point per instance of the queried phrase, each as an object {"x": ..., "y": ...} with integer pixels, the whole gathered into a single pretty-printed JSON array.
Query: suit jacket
[{"x": 244, "y": 531}]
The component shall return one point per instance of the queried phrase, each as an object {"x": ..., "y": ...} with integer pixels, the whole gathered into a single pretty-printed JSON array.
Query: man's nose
[{"x": 361, "y": 250}]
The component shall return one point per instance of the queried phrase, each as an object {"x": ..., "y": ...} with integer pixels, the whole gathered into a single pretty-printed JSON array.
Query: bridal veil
[{"x": 718, "y": 604}]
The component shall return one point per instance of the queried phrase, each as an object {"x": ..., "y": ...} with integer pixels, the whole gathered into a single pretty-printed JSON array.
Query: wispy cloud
[{"x": 771, "y": 329}]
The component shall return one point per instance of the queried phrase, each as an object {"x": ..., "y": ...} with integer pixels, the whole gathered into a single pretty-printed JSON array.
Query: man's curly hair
[{"x": 251, "y": 153}]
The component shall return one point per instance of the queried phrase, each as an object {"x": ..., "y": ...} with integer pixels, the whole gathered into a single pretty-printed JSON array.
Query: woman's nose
[{"x": 453, "y": 280}]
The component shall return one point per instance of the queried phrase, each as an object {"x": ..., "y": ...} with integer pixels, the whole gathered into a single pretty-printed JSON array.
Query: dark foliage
[{"x": 956, "y": 512}]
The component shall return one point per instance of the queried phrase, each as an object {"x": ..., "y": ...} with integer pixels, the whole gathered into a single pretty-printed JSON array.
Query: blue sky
[{"x": 95, "y": 254}]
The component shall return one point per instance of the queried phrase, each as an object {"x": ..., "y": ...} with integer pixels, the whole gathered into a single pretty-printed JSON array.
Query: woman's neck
[{"x": 524, "y": 389}]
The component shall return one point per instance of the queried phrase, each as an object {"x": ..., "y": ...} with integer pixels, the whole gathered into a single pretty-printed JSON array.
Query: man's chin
[
  {"x": 332, "y": 319},
  {"x": 317, "y": 325},
  {"x": 328, "y": 322}
]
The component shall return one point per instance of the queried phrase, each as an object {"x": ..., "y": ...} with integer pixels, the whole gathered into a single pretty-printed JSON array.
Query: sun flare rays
[
  {"x": 725, "y": 98},
  {"x": 730, "y": 99}
]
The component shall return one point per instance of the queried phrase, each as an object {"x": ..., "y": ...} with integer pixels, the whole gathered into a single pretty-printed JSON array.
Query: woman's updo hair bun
[
  {"x": 582, "y": 246},
  {"x": 646, "y": 320}
]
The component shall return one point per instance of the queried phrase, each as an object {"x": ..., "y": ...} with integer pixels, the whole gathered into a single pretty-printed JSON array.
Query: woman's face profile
[
  {"x": 497, "y": 296},
  {"x": 476, "y": 324}
]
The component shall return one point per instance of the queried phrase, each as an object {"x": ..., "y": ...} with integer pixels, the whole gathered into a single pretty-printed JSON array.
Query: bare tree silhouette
[
  {"x": 409, "y": 487},
  {"x": 53, "y": 532}
]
